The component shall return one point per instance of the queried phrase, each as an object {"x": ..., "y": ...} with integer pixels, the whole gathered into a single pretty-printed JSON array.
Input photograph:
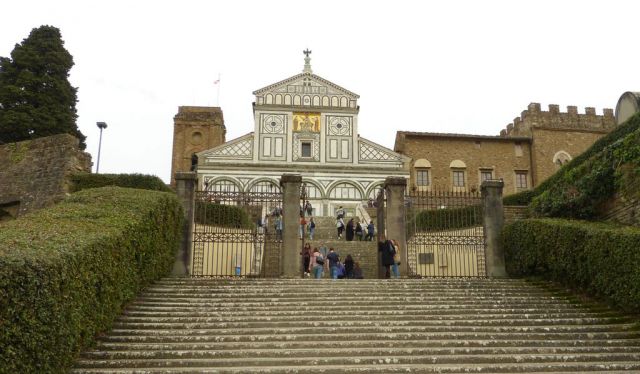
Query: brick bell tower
[{"x": 195, "y": 129}]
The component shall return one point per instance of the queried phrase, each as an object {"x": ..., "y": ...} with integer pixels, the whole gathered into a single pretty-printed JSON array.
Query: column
[
  {"x": 395, "y": 217},
  {"x": 290, "y": 254},
  {"x": 493, "y": 224},
  {"x": 185, "y": 189}
]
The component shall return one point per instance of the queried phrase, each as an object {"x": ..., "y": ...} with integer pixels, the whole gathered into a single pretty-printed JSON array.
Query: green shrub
[
  {"x": 444, "y": 219},
  {"x": 221, "y": 215},
  {"x": 601, "y": 259},
  {"x": 67, "y": 271},
  {"x": 581, "y": 192},
  {"x": 620, "y": 132},
  {"x": 83, "y": 181}
]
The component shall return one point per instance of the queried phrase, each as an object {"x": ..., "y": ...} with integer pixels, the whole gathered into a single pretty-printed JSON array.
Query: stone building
[
  {"x": 628, "y": 105},
  {"x": 194, "y": 130},
  {"x": 526, "y": 153},
  {"x": 304, "y": 124}
]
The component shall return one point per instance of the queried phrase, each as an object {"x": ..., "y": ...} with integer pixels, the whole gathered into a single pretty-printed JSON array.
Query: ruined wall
[
  {"x": 195, "y": 129},
  {"x": 34, "y": 173}
]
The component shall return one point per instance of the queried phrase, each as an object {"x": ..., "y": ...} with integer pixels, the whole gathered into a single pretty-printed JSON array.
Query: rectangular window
[
  {"x": 521, "y": 179},
  {"x": 305, "y": 149},
  {"x": 486, "y": 175},
  {"x": 458, "y": 178},
  {"x": 422, "y": 177}
]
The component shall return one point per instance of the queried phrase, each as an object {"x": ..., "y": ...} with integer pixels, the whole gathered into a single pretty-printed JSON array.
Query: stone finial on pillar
[
  {"x": 493, "y": 224},
  {"x": 290, "y": 254},
  {"x": 186, "y": 191},
  {"x": 395, "y": 188}
]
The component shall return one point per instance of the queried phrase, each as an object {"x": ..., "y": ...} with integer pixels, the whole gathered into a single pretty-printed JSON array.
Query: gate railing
[
  {"x": 236, "y": 233},
  {"x": 445, "y": 235}
]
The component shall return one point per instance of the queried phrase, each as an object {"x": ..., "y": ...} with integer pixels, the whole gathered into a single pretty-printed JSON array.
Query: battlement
[
  {"x": 535, "y": 117},
  {"x": 200, "y": 113}
]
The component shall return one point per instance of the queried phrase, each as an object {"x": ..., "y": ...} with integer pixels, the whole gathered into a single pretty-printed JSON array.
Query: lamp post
[{"x": 101, "y": 126}]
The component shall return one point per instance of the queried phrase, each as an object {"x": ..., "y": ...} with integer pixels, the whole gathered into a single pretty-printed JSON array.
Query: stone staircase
[
  {"x": 182, "y": 325},
  {"x": 363, "y": 252}
]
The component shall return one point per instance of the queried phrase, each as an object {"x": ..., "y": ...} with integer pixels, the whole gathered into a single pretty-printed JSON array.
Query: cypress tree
[{"x": 36, "y": 98}]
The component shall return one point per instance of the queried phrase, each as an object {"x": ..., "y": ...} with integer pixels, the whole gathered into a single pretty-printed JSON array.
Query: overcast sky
[{"x": 438, "y": 66}]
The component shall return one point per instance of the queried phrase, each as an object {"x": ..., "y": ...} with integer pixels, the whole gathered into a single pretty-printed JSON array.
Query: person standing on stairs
[
  {"x": 395, "y": 268},
  {"x": 303, "y": 226},
  {"x": 334, "y": 259},
  {"x": 317, "y": 263},
  {"x": 348, "y": 267},
  {"x": 385, "y": 247},
  {"x": 350, "y": 230},
  {"x": 306, "y": 260},
  {"x": 312, "y": 228},
  {"x": 340, "y": 227},
  {"x": 370, "y": 231},
  {"x": 359, "y": 232}
]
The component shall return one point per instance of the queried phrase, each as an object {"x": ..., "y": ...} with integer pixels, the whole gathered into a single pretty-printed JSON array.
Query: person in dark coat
[
  {"x": 350, "y": 230},
  {"x": 385, "y": 247},
  {"x": 348, "y": 267}
]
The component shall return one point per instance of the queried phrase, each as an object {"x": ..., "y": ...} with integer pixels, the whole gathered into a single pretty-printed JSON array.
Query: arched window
[
  {"x": 268, "y": 99},
  {"x": 561, "y": 158},
  {"x": 221, "y": 185},
  {"x": 345, "y": 191},
  {"x": 265, "y": 186},
  {"x": 458, "y": 175},
  {"x": 313, "y": 192},
  {"x": 422, "y": 175}
]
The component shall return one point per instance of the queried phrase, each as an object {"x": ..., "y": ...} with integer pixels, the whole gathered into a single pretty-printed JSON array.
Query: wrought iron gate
[
  {"x": 237, "y": 234},
  {"x": 445, "y": 235}
]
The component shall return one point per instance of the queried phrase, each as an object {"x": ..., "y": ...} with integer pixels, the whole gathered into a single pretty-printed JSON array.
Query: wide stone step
[
  {"x": 390, "y": 367},
  {"x": 168, "y": 337},
  {"x": 510, "y": 319},
  {"x": 381, "y": 344},
  {"x": 352, "y": 323},
  {"x": 341, "y": 352},
  {"x": 319, "y": 360}
]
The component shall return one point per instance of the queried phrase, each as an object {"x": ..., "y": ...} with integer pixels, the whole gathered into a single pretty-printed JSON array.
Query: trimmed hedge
[
  {"x": 443, "y": 219},
  {"x": 83, "y": 181},
  {"x": 601, "y": 259},
  {"x": 221, "y": 215},
  {"x": 66, "y": 272},
  {"x": 620, "y": 132}
]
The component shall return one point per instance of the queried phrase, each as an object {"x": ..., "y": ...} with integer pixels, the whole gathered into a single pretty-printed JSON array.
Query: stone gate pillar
[
  {"x": 395, "y": 218},
  {"x": 493, "y": 224},
  {"x": 290, "y": 254},
  {"x": 186, "y": 191}
]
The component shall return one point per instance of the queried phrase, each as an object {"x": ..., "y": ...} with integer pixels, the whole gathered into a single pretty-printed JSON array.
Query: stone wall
[
  {"x": 195, "y": 129},
  {"x": 34, "y": 173},
  {"x": 514, "y": 213}
]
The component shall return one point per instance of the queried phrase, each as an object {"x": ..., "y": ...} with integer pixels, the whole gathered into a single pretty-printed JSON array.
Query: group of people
[
  {"x": 353, "y": 229},
  {"x": 317, "y": 261}
]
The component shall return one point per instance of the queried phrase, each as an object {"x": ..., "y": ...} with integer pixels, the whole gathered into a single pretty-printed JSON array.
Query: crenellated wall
[
  {"x": 34, "y": 173},
  {"x": 534, "y": 117}
]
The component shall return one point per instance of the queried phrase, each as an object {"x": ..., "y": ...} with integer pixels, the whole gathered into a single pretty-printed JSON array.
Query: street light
[{"x": 101, "y": 126}]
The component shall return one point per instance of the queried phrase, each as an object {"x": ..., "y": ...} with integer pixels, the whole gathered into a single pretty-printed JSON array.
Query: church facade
[{"x": 303, "y": 125}]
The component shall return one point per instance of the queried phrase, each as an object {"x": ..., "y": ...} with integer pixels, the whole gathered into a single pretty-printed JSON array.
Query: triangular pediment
[
  {"x": 236, "y": 149},
  {"x": 370, "y": 152},
  {"x": 306, "y": 83}
]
